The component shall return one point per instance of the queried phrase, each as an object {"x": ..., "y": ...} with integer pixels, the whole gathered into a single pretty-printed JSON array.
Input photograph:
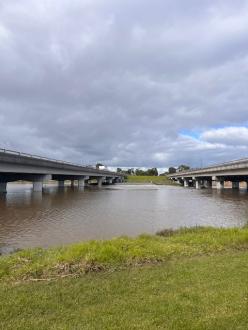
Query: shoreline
[
  {"x": 123, "y": 251},
  {"x": 185, "y": 279}
]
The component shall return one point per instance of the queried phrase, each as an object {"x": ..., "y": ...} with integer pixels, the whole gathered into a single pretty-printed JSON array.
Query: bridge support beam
[{"x": 3, "y": 187}]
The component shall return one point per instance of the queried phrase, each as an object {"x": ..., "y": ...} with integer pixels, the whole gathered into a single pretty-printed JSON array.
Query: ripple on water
[{"x": 62, "y": 216}]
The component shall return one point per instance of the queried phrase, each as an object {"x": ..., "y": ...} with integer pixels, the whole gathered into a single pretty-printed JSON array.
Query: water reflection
[{"x": 60, "y": 216}]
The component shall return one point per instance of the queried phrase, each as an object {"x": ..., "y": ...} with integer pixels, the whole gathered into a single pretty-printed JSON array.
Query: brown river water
[{"x": 58, "y": 217}]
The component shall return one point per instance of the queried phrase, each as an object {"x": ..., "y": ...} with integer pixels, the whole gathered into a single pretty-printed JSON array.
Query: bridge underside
[
  {"x": 214, "y": 181},
  {"x": 39, "y": 179}
]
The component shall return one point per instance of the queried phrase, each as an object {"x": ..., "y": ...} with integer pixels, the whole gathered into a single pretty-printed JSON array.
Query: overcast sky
[{"x": 125, "y": 82}]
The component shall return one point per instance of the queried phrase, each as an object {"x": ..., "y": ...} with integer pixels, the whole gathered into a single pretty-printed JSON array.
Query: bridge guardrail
[
  {"x": 236, "y": 162},
  {"x": 23, "y": 154}
]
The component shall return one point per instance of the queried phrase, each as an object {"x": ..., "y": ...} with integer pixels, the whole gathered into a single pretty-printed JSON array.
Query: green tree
[
  {"x": 182, "y": 168},
  {"x": 172, "y": 170}
]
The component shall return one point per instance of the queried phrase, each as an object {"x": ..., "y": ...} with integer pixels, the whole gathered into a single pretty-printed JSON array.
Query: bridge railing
[
  {"x": 23, "y": 154},
  {"x": 230, "y": 163}
]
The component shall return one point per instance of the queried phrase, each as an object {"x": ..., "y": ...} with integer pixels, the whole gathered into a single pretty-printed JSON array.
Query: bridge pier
[
  {"x": 185, "y": 182},
  {"x": 3, "y": 187},
  {"x": 235, "y": 184},
  {"x": 61, "y": 183},
  {"x": 220, "y": 184},
  {"x": 217, "y": 183},
  {"x": 207, "y": 184},
  {"x": 100, "y": 181},
  {"x": 83, "y": 181},
  {"x": 109, "y": 180},
  {"x": 37, "y": 186},
  {"x": 38, "y": 182},
  {"x": 198, "y": 184}
]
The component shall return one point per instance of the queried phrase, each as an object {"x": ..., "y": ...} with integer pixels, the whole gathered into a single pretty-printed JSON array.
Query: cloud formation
[{"x": 127, "y": 83}]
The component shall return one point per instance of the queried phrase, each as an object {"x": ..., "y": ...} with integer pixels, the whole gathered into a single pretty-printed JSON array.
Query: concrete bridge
[
  {"x": 16, "y": 166},
  {"x": 232, "y": 174}
]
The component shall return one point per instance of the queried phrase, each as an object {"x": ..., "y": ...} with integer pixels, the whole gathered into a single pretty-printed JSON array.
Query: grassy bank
[
  {"x": 188, "y": 279},
  {"x": 160, "y": 180}
]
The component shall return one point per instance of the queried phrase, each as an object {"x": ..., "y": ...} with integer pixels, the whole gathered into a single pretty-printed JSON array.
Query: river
[{"x": 58, "y": 217}]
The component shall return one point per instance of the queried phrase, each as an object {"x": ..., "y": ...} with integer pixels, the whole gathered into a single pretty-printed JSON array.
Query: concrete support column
[
  {"x": 61, "y": 183},
  {"x": 37, "y": 186},
  {"x": 185, "y": 183},
  {"x": 197, "y": 184},
  {"x": 220, "y": 184},
  {"x": 208, "y": 184},
  {"x": 3, "y": 187},
  {"x": 235, "y": 185},
  {"x": 38, "y": 181},
  {"x": 99, "y": 181},
  {"x": 81, "y": 183}
]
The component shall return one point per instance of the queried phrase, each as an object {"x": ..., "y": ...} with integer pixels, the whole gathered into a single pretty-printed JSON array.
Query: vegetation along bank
[{"x": 185, "y": 279}]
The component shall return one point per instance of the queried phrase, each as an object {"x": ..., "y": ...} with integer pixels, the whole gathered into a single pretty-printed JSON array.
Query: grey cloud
[{"x": 118, "y": 82}]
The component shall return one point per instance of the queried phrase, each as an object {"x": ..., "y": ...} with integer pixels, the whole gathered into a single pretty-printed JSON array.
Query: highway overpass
[
  {"x": 219, "y": 176},
  {"x": 15, "y": 166}
]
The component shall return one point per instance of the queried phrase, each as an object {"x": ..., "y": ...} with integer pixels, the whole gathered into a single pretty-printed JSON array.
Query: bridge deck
[{"x": 16, "y": 166}]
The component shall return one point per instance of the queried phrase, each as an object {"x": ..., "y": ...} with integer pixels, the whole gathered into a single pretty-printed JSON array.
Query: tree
[
  {"x": 182, "y": 168},
  {"x": 172, "y": 170},
  {"x": 130, "y": 171},
  {"x": 139, "y": 172},
  {"x": 152, "y": 171},
  {"x": 119, "y": 170}
]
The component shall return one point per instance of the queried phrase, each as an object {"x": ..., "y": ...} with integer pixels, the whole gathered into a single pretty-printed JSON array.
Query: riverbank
[
  {"x": 159, "y": 180},
  {"x": 186, "y": 279}
]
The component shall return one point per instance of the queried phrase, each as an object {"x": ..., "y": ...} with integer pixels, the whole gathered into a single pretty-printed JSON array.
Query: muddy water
[{"x": 58, "y": 216}]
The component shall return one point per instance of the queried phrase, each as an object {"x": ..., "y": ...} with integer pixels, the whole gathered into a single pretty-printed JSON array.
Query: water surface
[{"x": 58, "y": 216}]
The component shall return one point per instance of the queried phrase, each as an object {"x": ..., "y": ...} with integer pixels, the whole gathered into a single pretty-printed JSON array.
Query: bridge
[
  {"x": 15, "y": 166},
  {"x": 232, "y": 174}
]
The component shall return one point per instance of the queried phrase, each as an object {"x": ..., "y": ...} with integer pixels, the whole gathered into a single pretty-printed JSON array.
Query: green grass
[
  {"x": 187, "y": 279},
  {"x": 160, "y": 180},
  {"x": 199, "y": 293},
  {"x": 121, "y": 252}
]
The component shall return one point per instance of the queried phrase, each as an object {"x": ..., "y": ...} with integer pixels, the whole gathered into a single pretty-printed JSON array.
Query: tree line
[{"x": 152, "y": 171}]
